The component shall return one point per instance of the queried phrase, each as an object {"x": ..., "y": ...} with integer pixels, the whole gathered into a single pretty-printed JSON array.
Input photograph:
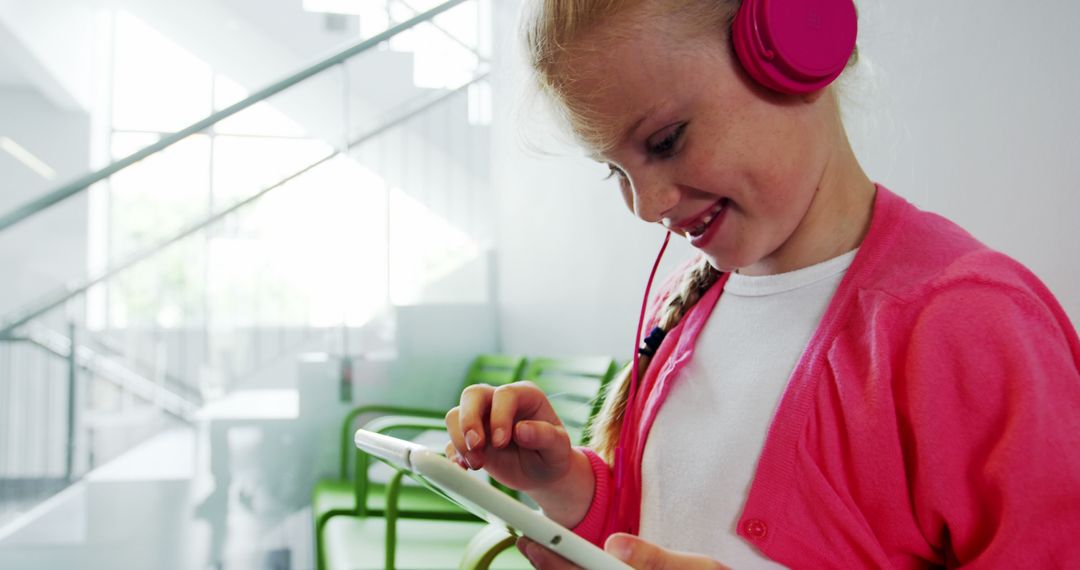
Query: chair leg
[
  {"x": 392, "y": 492},
  {"x": 320, "y": 528},
  {"x": 485, "y": 546},
  {"x": 320, "y": 556}
]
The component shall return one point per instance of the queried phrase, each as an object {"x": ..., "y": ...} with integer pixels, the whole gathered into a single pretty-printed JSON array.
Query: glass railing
[{"x": 220, "y": 251}]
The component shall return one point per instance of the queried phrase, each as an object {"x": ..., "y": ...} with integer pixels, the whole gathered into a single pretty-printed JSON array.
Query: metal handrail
[
  {"x": 8, "y": 327},
  {"x": 446, "y": 33},
  {"x": 102, "y": 347},
  {"x": 114, "y": 372},
  {"x": 72, "y": 188}
]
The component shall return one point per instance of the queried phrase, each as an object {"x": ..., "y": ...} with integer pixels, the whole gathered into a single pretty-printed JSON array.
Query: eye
[
  {"x": 665, "y": 143},
  {"x": 614, "y": 171}
]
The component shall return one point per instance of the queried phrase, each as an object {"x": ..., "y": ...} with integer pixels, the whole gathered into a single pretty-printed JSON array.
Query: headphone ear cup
[{"x": 795, "y": 46}]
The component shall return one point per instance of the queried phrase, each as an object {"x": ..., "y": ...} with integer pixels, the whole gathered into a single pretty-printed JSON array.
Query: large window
[
  {"x": 401, "y": 218},
  {"x": 310, "y": 252}
]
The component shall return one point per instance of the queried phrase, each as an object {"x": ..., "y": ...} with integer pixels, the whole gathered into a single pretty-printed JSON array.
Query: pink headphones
[{"x": 795, "y": 46}]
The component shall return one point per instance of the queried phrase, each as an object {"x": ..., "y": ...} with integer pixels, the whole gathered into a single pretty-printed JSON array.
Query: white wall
[
  {"x": 963, "y": 107},
  {"x": 54, "y": 40},
  {"x": 49, "y": 251},
  {"x": 969, "y": 111}
]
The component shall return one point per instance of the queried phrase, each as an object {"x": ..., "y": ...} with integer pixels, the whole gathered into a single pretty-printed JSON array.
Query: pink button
[{"x": 756, "y": 529}]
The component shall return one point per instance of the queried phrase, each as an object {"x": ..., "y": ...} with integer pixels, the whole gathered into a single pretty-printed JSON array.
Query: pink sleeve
[
  {"x": 993, "y": 416},
  {"x": 593, "y": 526}
]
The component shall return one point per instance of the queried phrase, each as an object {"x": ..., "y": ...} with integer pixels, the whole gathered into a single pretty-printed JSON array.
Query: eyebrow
[
  {"x": 634, "y": 126},
  {"x": 629, "y": 131}
]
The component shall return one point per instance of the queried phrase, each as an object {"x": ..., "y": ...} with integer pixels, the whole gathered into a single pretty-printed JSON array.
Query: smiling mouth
[{"x": 698, "y": 229}]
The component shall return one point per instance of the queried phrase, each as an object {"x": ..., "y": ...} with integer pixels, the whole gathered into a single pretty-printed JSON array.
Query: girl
[{"x": 841, "y": 380}]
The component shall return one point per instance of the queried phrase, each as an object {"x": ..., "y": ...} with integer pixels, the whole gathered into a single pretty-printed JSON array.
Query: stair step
[{"x": 165, "y": 457}]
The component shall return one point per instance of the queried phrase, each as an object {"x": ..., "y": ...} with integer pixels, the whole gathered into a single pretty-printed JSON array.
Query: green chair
[
  {"x": 374, "y": 543},
  {"x": 575, "y": 388},
  {"x": 572, "y": 384},
  {"x": 357, "y": 495}
]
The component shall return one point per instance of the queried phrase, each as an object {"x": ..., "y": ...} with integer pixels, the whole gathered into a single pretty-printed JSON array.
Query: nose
[{"x": 651, "y": 195}]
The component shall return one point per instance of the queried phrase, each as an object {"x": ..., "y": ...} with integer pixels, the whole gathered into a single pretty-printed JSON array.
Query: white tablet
[{"x": 484, "y": 500}]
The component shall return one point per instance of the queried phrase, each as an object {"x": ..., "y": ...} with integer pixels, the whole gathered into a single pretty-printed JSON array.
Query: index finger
[
  {"x": 473, "y": 410},
  {"x": 518, "y": 401}
]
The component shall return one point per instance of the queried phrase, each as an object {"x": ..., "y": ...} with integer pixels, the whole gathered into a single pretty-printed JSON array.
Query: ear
[{"x": 813, "y": 96}]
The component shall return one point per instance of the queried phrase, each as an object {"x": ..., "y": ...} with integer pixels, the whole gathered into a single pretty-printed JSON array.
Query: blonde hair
[
  {"x": 554, "y": 30},
  {"x": 554, "y": 33}
]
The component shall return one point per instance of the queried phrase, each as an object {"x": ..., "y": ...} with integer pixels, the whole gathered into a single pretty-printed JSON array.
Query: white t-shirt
[{"x": 703, "y": 448}]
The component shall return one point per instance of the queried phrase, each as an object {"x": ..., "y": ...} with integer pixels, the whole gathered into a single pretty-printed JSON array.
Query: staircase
[{"x": 391, "y": 189}]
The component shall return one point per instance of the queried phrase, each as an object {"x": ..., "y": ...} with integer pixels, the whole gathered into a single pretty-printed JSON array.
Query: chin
[
  {"x": 731, "y": 261},
  {"x": 728, "y": 261},
  {"x": 723, "y": 265}
]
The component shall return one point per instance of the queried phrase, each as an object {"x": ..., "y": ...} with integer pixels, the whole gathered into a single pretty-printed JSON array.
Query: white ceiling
[{"x": 10, "y": 74}]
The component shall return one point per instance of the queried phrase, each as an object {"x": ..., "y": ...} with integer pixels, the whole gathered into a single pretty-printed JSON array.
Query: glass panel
[
  {"x": 312, "y": 252},
  {"x": 260, "y": 119},
  {"x": 151, "y": 202},
  {"x": 164, "y": 291},
  {"x": 431, "y": 260},
  {"x": 440, "y": 62},
  {"x": 460, "y": 22},
  {"x": 158, "y": 196},
  {"x": 245, "y": 165},
  {"x": 356, "y": 7},
  {"x": 157, "y": 85}
]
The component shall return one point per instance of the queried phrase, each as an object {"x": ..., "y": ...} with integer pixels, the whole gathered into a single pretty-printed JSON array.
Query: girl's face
[{"x": 701, "y": 149}]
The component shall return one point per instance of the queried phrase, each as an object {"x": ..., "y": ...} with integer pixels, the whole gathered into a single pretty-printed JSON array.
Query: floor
[
  {"x": 263, "y": 528},
  {"x": 125, "y": 521},
  {"x": 262, "y": 522}
]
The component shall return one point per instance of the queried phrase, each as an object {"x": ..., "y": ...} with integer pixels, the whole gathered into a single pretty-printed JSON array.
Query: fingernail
[
  {"x": 498, "y": 437},
  {"x": 472, "y": 439},
  {"x": 459, "y": 461},
  {"x": 621, "y": 549},
  {"x": 525, "y": 432},
  {"x": 467, "y": 462}
]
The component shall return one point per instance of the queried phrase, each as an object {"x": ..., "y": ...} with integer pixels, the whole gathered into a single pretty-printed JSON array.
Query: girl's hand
[
  {"x": 513, "y": 432},
  {"x": 635, "y": 552}
]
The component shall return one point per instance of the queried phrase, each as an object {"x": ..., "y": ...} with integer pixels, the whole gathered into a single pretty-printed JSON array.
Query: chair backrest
[
  {"x": 494, "y": 369},
  {"x": 574, "y": 386}
]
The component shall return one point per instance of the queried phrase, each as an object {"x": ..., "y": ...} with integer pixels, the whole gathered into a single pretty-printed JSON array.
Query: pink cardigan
[{"x": 933, "y": 420}]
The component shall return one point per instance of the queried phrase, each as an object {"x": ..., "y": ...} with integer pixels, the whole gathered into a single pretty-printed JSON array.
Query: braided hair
[{"x": 604, "y": 433}]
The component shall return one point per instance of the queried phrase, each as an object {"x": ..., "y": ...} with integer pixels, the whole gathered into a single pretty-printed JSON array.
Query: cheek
[
  {"x": 775, "y": 180},
  {"x": 792, "y": 166},
  {"x": 757, "y": 165}
]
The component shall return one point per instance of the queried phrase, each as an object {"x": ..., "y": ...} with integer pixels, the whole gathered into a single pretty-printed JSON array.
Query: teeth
[
  {"x": 706, "y": 220},
  {"x": 700, "y": 228}
]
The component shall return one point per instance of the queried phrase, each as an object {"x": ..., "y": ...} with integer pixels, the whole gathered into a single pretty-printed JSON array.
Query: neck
[{"x": 837, "y": 220}]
